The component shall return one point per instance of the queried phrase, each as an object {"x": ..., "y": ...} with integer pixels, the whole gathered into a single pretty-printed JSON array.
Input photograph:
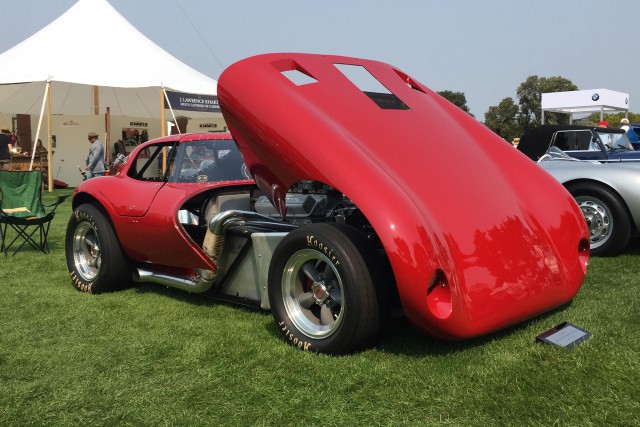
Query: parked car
[
  {"x": 581, "y": 142},
  {"x": 634, "y": 134},
  {"x": 607, "y": 194},
  {"x": 344, "y": 206}
]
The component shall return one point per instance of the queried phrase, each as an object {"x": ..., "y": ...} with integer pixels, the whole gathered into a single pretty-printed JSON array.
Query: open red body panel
[{"x": 478, "y": 236}]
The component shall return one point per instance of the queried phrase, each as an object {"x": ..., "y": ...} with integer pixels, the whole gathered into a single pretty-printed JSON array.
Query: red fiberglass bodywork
[
  {"x": 143, "y": 213},
  {"x": 477, "y": 235}
]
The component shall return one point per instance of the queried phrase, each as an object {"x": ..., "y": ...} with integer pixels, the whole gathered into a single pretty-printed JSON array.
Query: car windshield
[
  {"x": 615, "y": 141},
  {"x": 210, "y": 160}
]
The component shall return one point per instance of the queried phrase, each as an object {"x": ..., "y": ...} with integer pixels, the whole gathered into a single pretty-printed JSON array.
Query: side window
[
  {"x": 562, "y": 141},
  {"x": 574, "y": 140},
  {"x": 150, "y": 163},
  {"x": 583, "y": 141},
  {"x": 209, "y": 161}
]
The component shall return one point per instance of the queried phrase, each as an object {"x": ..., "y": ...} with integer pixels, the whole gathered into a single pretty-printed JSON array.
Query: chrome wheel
[
  {"x": 598, "y": 217},
  {"x": 313, "y": 293},
  {"x": 86, "y": 251}
]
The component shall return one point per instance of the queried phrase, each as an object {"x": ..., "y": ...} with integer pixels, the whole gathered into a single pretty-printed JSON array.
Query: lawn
[{"x": 152, "y": 356}]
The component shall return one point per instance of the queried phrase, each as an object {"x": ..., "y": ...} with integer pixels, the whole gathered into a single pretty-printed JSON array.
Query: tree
[
  {"x": 510, "y": 119},
  {"x": 612, "y": 118},
  {"x": 503, "y": 119},
  {"x": 530, "y": 97},
  {"x": 456, "y": 98}
]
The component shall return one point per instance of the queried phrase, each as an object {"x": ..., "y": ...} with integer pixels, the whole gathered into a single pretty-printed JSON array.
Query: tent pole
[
  {"x": 172, "y": 113},
  {"x": 163, "y": 124},
  {"x": 49, "y": 144},
  {"x": 107, "y": 143},
  {"x": 35, "y": 142},
  {"x": 96, "y": 100},
  {"x": 163, "y": 130}
]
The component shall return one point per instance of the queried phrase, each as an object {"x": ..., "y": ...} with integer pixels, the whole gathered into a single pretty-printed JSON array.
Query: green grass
[{"x": 152, "y": 356}]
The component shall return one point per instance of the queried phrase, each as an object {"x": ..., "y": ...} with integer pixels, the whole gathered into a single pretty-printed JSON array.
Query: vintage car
[
  {"x": 581, "y": 142},
  {"x": 607, "y": 193},
  {"x": 345, "y": 206},
  {"x": 634, "y": 135}
]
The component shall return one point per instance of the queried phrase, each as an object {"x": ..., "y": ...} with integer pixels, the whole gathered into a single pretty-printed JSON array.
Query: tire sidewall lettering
[
  {"x": 315, "y": 243},
  {"x": 83, "y": 216},
  {"x": 81, "y": 284},
  {"x": 340, "y": 247},
  {"x": 80, "y": 216},
  {"x": 295, "y": 341}
]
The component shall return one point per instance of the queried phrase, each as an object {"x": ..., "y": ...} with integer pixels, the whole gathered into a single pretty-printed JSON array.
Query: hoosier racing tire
[{"x": 324, "y": 289}]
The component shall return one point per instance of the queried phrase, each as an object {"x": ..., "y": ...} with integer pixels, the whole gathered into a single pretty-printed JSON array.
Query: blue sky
[{"x": 484, "y": 48}]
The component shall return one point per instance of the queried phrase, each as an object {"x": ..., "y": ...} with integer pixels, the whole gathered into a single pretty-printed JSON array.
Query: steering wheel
[{"x": 211, "y": 170}]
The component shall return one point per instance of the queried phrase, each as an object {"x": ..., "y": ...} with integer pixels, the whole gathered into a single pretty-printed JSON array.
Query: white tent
[
  {"x": 585, "y": 101},
  {"x": 89, "y": 60},
  {"x": 93, "y": 45}
]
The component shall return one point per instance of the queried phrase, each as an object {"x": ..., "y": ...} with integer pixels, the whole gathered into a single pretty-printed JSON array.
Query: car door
[{"x": 146, "y": 204}]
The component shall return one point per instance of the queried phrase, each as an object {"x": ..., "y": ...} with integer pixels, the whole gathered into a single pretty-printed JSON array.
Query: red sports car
[{"x": 345, "y": 189}]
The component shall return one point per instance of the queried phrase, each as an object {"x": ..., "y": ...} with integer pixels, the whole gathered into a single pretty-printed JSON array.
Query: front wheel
[
  {"x": 95, "y": 260},
  {"x": 324, "y": 289},
  {"x": 606, "y": 216}
]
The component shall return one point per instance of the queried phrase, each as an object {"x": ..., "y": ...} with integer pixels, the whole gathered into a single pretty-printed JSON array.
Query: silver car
[{"x": 608, "y": 195}]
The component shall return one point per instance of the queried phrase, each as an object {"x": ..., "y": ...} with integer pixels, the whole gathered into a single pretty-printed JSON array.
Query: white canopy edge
[
  {"x": 92, "y": 44},
  {"x": 585, "y": 101}
]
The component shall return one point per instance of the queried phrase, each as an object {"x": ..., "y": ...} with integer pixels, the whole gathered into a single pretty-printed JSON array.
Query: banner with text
[{"x": 192, "y": 102}]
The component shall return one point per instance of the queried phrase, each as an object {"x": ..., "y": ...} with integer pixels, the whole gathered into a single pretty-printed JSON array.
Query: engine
[
  {"x": 310, "y": 201},
  {"x": 307, "y": 202},
  {"x": 225, "y": 221}
]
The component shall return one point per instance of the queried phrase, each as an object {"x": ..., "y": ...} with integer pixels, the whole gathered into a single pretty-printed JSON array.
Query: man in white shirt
[{"x": 624, "y": 124}]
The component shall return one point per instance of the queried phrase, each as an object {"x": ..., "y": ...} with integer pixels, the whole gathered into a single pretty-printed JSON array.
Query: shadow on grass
[
  {"x": 200, "y": 300},
  {"x": 401, "y": 337},
  {"x": 398, "y": 336}
]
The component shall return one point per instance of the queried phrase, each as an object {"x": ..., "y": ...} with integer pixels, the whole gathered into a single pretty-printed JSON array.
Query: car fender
[{"x": 622, "y": 178}]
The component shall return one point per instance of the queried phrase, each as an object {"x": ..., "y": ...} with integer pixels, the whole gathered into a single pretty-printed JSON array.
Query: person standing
[
  {"x": 95, "y": 159},
  {"x": 624, "y": 124},
  {"x": 119, "y": 148},
  {"x": 5, "y": 149}
]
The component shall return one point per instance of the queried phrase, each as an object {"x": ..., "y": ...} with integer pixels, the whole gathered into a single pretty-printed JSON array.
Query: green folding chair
[{"x": 21, "y": 209}]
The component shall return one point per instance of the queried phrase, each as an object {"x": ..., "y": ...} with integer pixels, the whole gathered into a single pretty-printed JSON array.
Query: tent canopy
[
  {"x": 93, "y": 45},
  {"x": 585, "y": 101}
]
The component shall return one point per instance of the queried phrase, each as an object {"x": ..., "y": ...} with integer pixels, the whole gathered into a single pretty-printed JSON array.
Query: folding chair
[{"x": 21, "y": 208}]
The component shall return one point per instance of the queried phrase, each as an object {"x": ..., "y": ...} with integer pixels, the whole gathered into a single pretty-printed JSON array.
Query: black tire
[
  {"x": 94, "y": 257},
  {"x": 324, "y": 289},
  {"x": 606, "y": 215}
]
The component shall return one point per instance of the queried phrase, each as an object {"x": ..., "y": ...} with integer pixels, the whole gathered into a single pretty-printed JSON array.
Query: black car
[{"x": 580, "y": 142}]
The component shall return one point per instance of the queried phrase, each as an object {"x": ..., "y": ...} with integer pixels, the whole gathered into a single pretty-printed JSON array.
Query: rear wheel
[
  {"x": 607, "y": 218},
  {"x": 95, "y": 260},
  {"x": 324, "y": 289}
]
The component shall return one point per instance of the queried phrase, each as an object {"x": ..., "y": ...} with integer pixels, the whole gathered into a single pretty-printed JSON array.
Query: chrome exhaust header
[
  {"x": 201, "y": 283},
  {"x": 252, "y": 221}
]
